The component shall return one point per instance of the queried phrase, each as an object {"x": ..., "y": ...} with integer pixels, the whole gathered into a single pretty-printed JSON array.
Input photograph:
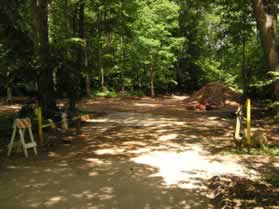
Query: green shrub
[{"x": 105, "y": 93}]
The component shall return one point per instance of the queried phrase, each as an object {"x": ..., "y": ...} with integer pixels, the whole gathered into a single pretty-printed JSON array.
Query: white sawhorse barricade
[{"x": 21, "y": 125}]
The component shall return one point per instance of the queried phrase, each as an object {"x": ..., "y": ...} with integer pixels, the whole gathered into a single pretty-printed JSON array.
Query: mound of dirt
[
  {"x": 232, "y": 192},
  {"x": 213, "y": 96}
]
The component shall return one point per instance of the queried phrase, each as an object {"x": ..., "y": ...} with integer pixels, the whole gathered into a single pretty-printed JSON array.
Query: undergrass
[
  {"x": 105, "y": 93},
  {"x": 271, "y": 150}
]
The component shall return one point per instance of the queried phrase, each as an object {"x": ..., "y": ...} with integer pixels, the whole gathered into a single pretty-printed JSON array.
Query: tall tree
[
  {"x": 155, "y": 40},
  {"x": 41, "y": 49},
  {"x": 238, "y": 26},
  {"x": 266, "y": 16},
  {"x": 78, "y": 28}
]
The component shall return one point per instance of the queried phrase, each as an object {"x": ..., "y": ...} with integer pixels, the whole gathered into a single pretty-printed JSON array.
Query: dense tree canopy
[{"x": 75, "y": 47}]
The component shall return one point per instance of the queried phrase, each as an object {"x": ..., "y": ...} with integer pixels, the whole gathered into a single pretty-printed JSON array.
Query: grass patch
[
  {"x": 271, "y": 150},
  {"x": 105, "y": 93}
]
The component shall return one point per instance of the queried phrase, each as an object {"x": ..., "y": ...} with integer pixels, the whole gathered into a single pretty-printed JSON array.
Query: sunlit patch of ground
[
  {"x": 136, "y": 119},
  {"x": 190, "y": 169},
  {"x": 181, "y": 98},
  {"x": 9, "y": 108},
  {"x": 179, "y": 157},
  {"x": 145, "y": 105},
  {"x": 13, "y": 107}
]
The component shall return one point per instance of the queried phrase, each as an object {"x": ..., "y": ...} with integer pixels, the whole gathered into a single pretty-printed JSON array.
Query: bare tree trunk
[
  {"x": 87, "y": 76},
  {"x": 87, "y": 85},
  {"x": 101, "y": 61},
  {"x": 41, "y": 48},
  {"x": 266, "y": 16},
  {"x": 54, "y": 77},
  {"x": 79, "y": 28},
  {"x": 102, "y": 78},
  {"x": 9, "y": 94},
  {"x": 243, "y": 70},
  {"x": 9, "y": 89},
  {"x": 67, "y": 17},
  {"x": 152, "y": 91}
]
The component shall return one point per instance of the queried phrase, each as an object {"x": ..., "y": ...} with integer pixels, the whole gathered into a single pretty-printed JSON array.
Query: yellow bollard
[
  {"x": 248, "y": 121},
  {"x": 40, "y": 124}
]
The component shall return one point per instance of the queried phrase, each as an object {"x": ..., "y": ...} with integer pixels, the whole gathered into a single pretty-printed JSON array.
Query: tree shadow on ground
[
  {"x": 125, "y": 161},
  {"x": 83, "y": 175}
]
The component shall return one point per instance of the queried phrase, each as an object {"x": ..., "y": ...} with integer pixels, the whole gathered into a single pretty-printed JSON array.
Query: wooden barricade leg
[
  {"x": 21, "y": 125},
  {"x": 64, "y": 124},
  {"x": 11, "y": 144},
  {"x": 23, "y": 142},
  {"x": 237, "y": 128},
  {"x": 78, "y": 127},
  {"x": 33, "y": 141},
  {"x": 237, "y": 136}
]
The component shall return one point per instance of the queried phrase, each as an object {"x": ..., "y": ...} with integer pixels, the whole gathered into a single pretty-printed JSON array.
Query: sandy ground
[{"x": 134, "y": 154}]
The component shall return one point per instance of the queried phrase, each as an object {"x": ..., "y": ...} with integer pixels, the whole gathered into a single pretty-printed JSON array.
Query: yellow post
[
  {"x": 248, "y": 121},
  {"x": 40, "y": 124}
]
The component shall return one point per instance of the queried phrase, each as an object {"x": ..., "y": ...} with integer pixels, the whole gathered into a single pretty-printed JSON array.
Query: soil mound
[
  {"x": 213, "y": 96},
  {"x": 233, "y": 192}
]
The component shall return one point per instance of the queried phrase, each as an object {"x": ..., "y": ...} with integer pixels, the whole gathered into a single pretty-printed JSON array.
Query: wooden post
[
  {"x": 64, "y": 117},
  {"x": 237, "y": 137},
  {"x": 78, "y": 128},
  {"x": 248, "y": 122},
  {"x": 40, "y": 125}
]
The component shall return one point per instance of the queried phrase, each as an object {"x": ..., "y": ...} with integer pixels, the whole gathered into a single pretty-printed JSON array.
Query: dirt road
[{"x": 135, "y": 154}]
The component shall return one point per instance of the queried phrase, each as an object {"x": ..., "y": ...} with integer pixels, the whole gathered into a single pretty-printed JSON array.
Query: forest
[
  {"x": 70, "y": 49},
  {"x": 139, "y": 104}
]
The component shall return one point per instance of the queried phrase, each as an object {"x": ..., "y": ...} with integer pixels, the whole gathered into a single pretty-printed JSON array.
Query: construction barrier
[
  {"x": 20, "y": 126},
  {"x": 247, "y": 130}
]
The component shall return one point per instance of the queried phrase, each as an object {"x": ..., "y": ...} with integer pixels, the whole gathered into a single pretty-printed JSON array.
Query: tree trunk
[
  {"x": 77, "y": 74},
  {"x": 87, "y": 76},
  {"x": 102, "y": 78},
  {"x": 9, "y": 89},
  {"x": 152, "y": 91},
  {"x": 67, "y": 17},
  {"x": 81, "y": 22},
  {"x": 87, "y": 85},
  {"x": 41, "y": 50},
  {"x": 266, "y": 16},
  {"x": 9, "y": 94},
  {"x": 245, "y": 80},
  {"x": 80, "y": 51},
  {"x": 101, "y": 61}
]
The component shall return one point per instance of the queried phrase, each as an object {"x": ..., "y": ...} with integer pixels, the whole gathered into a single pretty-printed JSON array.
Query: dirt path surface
[{"x": 134, "y": 154}]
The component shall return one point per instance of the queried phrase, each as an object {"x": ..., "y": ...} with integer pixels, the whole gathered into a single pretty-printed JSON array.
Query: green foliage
[
  {"x": 275, "y": 107},
  {"x": 105, "y": 93},
  {"x": 271, "y": 150},
  {"x": 72, "y": 42},
  {"x": 155, "y": 46},
  {"x": 138, "y": 93},
  {"x": 182, "y": 44},
  {"x": 15, "y": 43}
]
